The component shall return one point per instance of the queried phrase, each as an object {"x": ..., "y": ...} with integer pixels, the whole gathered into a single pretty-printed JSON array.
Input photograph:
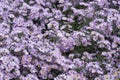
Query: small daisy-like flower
[
  {"x": 12, "y": 16},
  {"x": 49, "y": 59},
  {"x": 26, "y": 59},
  {"x": 42, "y": 72},
  {"x": 16, "y": 72},
  {"x": 97, "y": 78},
  {"x": 107, "y": 77},
  {"x": 1, "y": 76}
]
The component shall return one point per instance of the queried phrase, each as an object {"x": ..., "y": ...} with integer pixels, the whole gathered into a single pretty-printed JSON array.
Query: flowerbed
[{"x": 59, "y": 40}]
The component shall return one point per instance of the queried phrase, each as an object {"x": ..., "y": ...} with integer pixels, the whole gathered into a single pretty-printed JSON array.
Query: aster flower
[
  {"x": 31, "y": 77},
  {"x": 26, "y": 59},
  {"x": 1, "y": 76}
]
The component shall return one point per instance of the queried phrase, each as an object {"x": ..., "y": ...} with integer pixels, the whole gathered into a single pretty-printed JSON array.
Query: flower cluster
[{"x": 59, "y": 39}]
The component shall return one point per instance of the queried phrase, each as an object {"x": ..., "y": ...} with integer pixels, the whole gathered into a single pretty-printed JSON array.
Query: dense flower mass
[{"x": 59, "y": 39}]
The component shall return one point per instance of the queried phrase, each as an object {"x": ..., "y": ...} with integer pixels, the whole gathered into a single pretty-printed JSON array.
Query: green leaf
[{"x": 80, "y": 7}]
